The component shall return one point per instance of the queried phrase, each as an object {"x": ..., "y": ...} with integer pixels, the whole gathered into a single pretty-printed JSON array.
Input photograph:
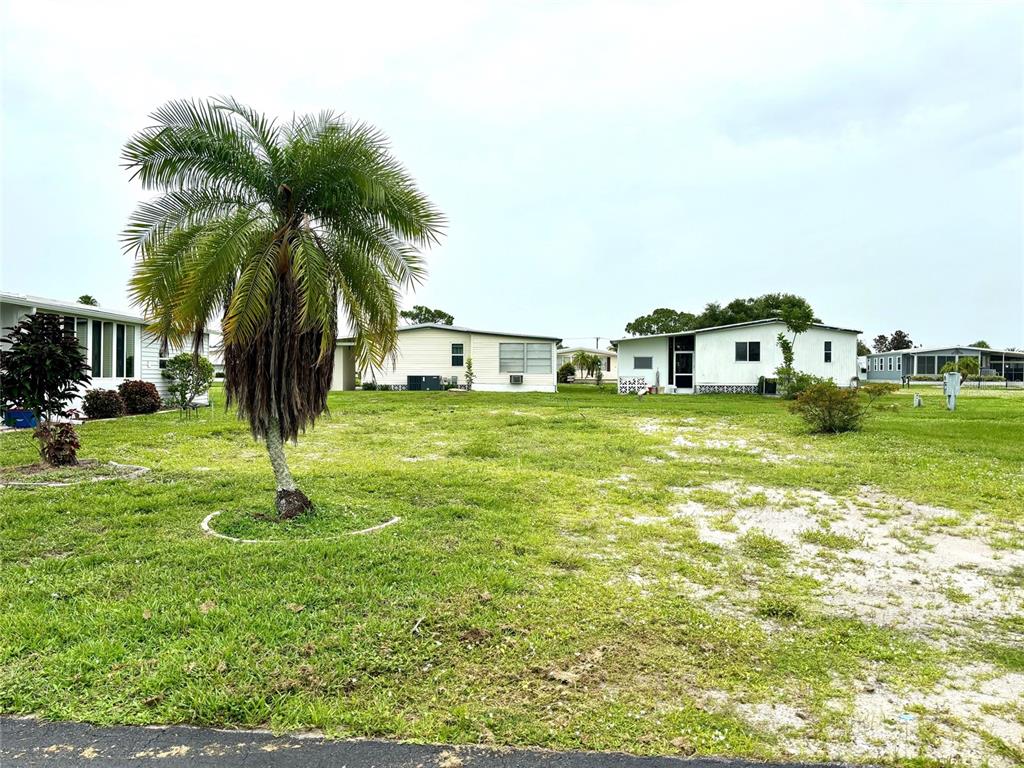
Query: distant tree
[
  {"x": 899, "y": 340},
  {"x": 661, "y": 320},
  {"x": 755, "y": 308},
  {"x": 982, "y": 344},
  {"x": 88, "y": 300},
  {"x": 420, "y": 314},
  {"x": 881, "y": 343},
  {"x": 862, "y": 349},
  {"x": 585, "y": 361},
  {"x": 965, "y": 366}
]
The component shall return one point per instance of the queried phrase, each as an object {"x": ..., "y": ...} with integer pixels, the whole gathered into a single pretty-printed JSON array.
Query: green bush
[
  {"x": 791, "y": 382},
  {"x": 828, "y": 408},
  {"x": 58, "y": 443},
  {"x": 565, "y": 371},
  {"x": 368, "y": 386},
  {"x": 189, "y": 377},
  {"x": 139, "y": 396},
  {"x": 102, "y": 404}
]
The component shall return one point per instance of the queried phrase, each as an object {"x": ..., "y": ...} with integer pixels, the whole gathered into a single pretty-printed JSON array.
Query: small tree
[
  {"x": 470, "y": 376},
  {"x": 965, "y": 366},
  {"x": 798, "y": 317},
  {"x": 42, "y": 371},
  {"x": 565, "y": 371},
  {"x": 190, "y": 376},
  {"x": 599, "y": 373},
  {"x": 88, "y": 300},
  {"x": 982, "y": 344},
  {"x": 862, "y": 349},
  {"x": 828, "y": 408}
]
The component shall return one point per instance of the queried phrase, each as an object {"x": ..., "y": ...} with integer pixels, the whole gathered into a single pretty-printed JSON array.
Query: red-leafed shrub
[
  {"x": 139, "y": 396},
  {"x": 102, "y": 404}
]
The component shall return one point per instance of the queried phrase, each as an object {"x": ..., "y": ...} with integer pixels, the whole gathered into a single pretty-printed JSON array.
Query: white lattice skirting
[
  {"x": 726, "y": 389},
  {"x": 630, "y": 385}
]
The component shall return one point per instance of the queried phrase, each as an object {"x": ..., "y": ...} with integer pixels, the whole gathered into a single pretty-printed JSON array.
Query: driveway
[{"x": 28, "y": 742}]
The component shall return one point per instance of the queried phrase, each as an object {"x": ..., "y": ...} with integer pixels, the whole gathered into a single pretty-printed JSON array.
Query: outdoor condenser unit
[{"x": 515, "y": 378}]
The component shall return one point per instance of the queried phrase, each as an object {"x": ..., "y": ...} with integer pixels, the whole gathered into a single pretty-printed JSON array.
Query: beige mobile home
[{"x": 431, "y": 356}]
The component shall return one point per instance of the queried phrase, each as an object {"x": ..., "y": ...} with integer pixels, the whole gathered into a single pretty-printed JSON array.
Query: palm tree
[
  {"x": 275, "y": 227},
  {"x": 88, "y": 300}
]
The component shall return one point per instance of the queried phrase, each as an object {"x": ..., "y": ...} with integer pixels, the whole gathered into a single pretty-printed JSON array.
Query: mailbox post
[{"x": 951, "y": 387}]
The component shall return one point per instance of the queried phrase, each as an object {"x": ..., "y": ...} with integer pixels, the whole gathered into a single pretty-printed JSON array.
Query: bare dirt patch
[{"x": 86, "y": 471}]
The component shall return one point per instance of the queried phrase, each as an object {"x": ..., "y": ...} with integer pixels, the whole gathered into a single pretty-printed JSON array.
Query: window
[
  {"x": 457, "y": 355},
  {"x": 119, "y": 360},
  {"x": 941, "y": 360},
  {"x": 899, "y": 363},
  {"x": 97, "y": 346},
  {"x": 608, "y": 364},
  {"x": 748, "y": 351},
  {"x": 828, "y": 351},
  {"x": 926, "y": 364},
  {"x": 643, "y": 363},
  {"x": 538, "y": 358},
  {"x": 890, "y": 363},
  {"x": 511, "y": 358},
  {"x": 523, "y": 358}
]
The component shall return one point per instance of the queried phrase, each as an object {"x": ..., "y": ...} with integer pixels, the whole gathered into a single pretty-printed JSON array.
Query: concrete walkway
[{"x": 28, "y": 742}]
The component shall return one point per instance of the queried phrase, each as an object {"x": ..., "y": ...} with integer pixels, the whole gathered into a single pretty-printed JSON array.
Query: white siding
[
  {"x": 715, "y": 363},
  {"x": 610, "y": 370},
  {"x": 715, "y": 358},
  {"x": 656, "y": 348},
  {"x": 428, "y": 352}
]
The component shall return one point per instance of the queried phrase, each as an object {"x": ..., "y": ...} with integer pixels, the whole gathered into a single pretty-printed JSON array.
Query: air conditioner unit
[{"x": 515, "y": 378}]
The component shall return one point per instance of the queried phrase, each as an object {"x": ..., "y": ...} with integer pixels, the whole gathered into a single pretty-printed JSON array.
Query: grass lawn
[{"x": 581, "y": 570}]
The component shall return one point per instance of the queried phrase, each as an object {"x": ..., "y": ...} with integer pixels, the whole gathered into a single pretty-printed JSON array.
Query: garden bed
[{"x": 86, "y": 471}]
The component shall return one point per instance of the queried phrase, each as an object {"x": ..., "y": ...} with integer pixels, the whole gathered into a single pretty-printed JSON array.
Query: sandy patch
[{"x": 944, "y": 584}]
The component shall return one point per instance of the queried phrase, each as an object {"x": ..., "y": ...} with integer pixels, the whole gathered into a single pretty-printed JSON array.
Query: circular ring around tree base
[{"x": 209, "y": 531}]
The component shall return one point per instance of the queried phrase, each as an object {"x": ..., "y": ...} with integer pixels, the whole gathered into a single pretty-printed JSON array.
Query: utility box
[
  {"x": 423, "y": 383},
  {"x": 951, "y": 386}
]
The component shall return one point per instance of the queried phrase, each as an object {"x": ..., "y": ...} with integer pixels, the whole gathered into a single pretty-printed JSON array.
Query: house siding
[
  {"x": 715, "y": 366},
  {"x": 147, "y": 345},
  {"x": 427, "y": 352}
]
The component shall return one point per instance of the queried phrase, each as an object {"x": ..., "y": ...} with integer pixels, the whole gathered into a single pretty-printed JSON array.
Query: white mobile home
[
  {"x": 117, "y": 346},
  {"x": 733, "y": 358},
  {"x": 432, "y": 355}
]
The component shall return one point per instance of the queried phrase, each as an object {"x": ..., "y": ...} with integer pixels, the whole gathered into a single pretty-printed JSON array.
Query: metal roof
[
  {"x": 69, "y": 307},
  {"x": 589, "y": 350},
  {"x": 462, "y": 329},
  {"x": 926, "y": 350},
  {"x": 765, "y": 321}
]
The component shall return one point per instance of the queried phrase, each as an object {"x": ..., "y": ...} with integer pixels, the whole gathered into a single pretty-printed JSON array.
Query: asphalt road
[{"x": 28, "y": 742}]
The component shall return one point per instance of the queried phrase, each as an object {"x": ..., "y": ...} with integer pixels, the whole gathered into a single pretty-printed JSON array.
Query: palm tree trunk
[{"x": 290, "y": 501}]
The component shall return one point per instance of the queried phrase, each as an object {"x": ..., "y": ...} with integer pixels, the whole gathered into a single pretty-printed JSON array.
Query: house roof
[
  {"x": 925, "y": 350},
  {"x": 68, "y": 307},
  {"x": 460, "y": 329},
  {"x": 589, "y": 351},
  {"x": 765, "y": 321}
]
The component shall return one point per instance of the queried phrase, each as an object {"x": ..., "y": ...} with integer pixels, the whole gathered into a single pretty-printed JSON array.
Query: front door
[{"x": 684, "y": 371}]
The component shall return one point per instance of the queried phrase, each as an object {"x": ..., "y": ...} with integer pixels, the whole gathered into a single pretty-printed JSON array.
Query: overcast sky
[{"x": 595, "y": 160}]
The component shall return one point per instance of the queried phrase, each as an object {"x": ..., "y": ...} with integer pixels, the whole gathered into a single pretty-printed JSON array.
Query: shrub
[
  {"x": 102, "y": 404},
  {"x": 369, "y": 386},
  {"x": 139, "y": 396},
  {"x": 791, "y": 382},
  {"x": 565, "y": 371},
  {"x": 828, "y": 408},
  {"x": 189, "y": 377},
  {"x": 470, "y": 375},
  {"x": 58, "y": 443}
]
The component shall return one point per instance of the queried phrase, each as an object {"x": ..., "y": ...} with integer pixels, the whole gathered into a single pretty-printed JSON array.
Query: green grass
[{"x": 514, "y": 603}]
